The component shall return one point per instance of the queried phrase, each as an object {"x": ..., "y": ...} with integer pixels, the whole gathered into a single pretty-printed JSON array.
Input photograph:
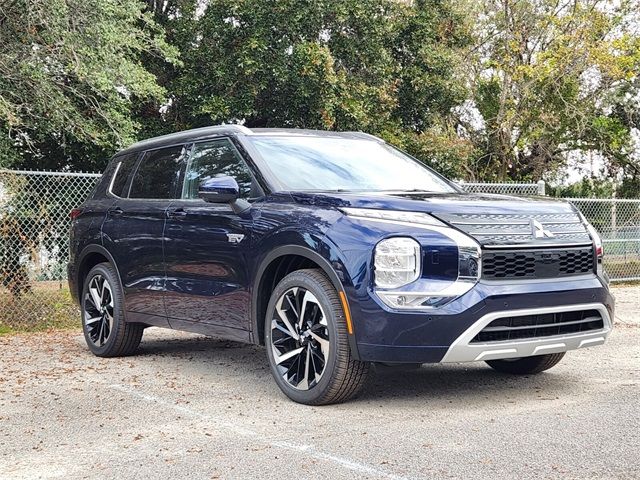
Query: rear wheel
[
  {"x": 307, "y": 341},
  {"x": 105, "y": 330},
  {"x": 526, "y": 365}
]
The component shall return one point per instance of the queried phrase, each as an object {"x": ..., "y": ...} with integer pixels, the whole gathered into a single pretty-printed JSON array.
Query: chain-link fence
[
  {"x": 34, "y": 245},
  {"x": 505, "y": 188},
  {"x": 34, "y": 236},
  {"x": 618, "y": 222}
]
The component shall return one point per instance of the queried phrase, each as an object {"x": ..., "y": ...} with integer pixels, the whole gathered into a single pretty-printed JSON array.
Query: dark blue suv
[{"x": 334, "y": 250}]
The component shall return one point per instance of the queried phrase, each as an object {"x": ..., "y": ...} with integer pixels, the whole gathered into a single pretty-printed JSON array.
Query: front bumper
[
  {"x": 464, "y": 350},
  {"x": 444, "y": 334}
]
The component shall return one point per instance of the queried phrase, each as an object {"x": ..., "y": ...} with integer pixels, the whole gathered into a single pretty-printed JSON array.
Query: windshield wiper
[
  {"x": 335, "y": 190},
  {"x": 401, "y": 190}
]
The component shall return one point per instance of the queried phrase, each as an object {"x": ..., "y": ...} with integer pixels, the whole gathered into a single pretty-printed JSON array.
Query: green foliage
[
  {"x": 550, "y": 78},
  {"x": 81, "y": 78},
  {"x": 380, "y": 66},
  {"x": 586, "y": 188},
  {"x": 428, "y": 47},
  {"x": 300, "y": 64},
  {"x": 629, "y": 187},
  {"x": 70, "y": 71}
]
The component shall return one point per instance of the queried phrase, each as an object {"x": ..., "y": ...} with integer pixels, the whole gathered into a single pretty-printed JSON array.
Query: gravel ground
[
  {"x": 627, "y": 305},
  {"x": 194, "y": 407}
]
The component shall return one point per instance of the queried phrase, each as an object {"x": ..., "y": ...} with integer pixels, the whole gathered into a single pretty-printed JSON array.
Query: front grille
[
  {"x": 534, "y": 264},
  {"x": 494, "y": 230},
  {"x": 535, "y": 326}
]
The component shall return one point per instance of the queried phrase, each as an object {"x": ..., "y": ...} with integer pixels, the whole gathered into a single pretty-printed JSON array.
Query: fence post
[{"x": 541, "y": 188}]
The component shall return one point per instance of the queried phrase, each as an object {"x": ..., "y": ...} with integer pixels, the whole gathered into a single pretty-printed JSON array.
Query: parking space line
[{"x": 308, "y": 450}]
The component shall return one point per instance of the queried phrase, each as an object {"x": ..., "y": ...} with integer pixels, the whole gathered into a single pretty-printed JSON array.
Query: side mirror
[
  {"x": 219, "y": 190},
  {"x": 223, "y": 189}
]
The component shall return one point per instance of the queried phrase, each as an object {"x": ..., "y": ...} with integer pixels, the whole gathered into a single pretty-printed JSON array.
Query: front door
[{"x": 206, "y": 248}]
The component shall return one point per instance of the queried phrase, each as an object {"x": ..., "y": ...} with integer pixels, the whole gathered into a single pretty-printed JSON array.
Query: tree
[
  {"x": 381, "y": 66},
  {"x": 428, "y": 48},
  {"x": 547, "y": 78},
  {"x": 313, "y": 64},
  {"x": 70, "y": 74}
]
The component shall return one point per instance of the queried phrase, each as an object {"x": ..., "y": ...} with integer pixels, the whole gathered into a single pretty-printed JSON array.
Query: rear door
[
  {"x": 134, "y": 227},
  {"x": 206, "y": 247}
]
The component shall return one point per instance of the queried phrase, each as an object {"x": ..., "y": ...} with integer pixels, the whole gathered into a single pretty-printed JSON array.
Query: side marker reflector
[{"x": 347, "y": 312}]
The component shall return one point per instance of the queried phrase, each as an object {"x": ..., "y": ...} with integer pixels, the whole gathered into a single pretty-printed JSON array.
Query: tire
[
  {"x": 105, "y": 330},
  {"x": 323, "y": 371},
  {"x": 526, "y": 365}
]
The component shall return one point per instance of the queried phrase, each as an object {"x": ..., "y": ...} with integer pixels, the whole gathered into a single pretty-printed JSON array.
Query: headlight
[
  {"x": 396, "y": 262},
  {"x": 599, "y": 248},
  {"x": 597, "y": 240},
  {"x": 396, "y": 216}
]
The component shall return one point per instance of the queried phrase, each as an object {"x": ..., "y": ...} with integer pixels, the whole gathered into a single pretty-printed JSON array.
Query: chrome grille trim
[
  {"x": 524, "y": 216},
  {"x": 514, "y": 230},
  {"x": 507, "y": 246}
]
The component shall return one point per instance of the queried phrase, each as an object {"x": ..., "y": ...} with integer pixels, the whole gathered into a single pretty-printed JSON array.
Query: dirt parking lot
[{"x": 194, "y": 407}]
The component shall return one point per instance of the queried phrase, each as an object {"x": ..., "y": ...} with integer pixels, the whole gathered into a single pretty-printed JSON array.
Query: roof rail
[
  {"x": 193, "y": 132},
  {"x": 233, "y": 126},
  {"x": 368, "y": 136}
]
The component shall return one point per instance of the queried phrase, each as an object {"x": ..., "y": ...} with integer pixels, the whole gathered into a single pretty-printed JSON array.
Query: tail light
[{"x": 75, "y": 213}]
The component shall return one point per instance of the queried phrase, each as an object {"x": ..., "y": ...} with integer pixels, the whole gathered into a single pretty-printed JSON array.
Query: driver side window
[{"x": 218, "y": 158}]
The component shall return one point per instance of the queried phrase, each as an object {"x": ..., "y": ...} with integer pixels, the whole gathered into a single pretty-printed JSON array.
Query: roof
[{"x": 203, "y": 133}]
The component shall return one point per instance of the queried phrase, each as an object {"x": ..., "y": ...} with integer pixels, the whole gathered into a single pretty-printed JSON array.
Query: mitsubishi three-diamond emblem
[{"x": 538, "y": 231}]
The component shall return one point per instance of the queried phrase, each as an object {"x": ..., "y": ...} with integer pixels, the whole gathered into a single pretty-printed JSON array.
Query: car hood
[{"x": 493, "y": 220}]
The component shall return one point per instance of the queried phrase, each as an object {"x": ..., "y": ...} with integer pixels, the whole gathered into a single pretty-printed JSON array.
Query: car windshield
[{"x": 308, "y": 163}]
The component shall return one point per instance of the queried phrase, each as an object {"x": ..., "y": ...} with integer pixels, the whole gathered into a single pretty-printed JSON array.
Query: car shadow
[
  {"x": 458, "y": 382},
  {"x": 453, "y": 382}
]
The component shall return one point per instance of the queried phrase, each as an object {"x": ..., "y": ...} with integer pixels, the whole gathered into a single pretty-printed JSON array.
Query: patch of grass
[
  {"x": 48, "y": 306},
  {"x": 621, "y": 267},
  {"x": 4, "y": 330},
  {"x": 626, "y": 283}
]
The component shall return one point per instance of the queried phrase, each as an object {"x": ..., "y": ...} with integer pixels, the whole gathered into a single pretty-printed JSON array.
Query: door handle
[
  {"x": 176, "y": 212},
  {"x": 115, "y": 211}
]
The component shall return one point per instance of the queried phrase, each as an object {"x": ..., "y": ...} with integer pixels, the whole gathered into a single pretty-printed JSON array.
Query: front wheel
[
  {"x": 307, "y": 341},
  {"x": 526, "y": 365}
]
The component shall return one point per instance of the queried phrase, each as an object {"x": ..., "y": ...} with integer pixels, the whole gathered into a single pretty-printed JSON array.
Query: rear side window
[
  {"x": 215, "y": 159},
  {"x": 158, "y": 174},
  {"x": 124, "y": 165},
  {"x": 102, "y": 186}
]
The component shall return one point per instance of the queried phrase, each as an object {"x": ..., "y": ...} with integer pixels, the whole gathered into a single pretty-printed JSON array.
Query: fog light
[{"x": 413, "y": 300}]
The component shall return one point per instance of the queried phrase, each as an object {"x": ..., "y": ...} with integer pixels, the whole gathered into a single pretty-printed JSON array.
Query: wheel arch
[
  {"x": 91, "y": 256},
  {"x": 275, "y": 265}
]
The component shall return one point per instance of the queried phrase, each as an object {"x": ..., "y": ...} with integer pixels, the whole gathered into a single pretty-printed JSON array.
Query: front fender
[{"x": 311, "y": 244}]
